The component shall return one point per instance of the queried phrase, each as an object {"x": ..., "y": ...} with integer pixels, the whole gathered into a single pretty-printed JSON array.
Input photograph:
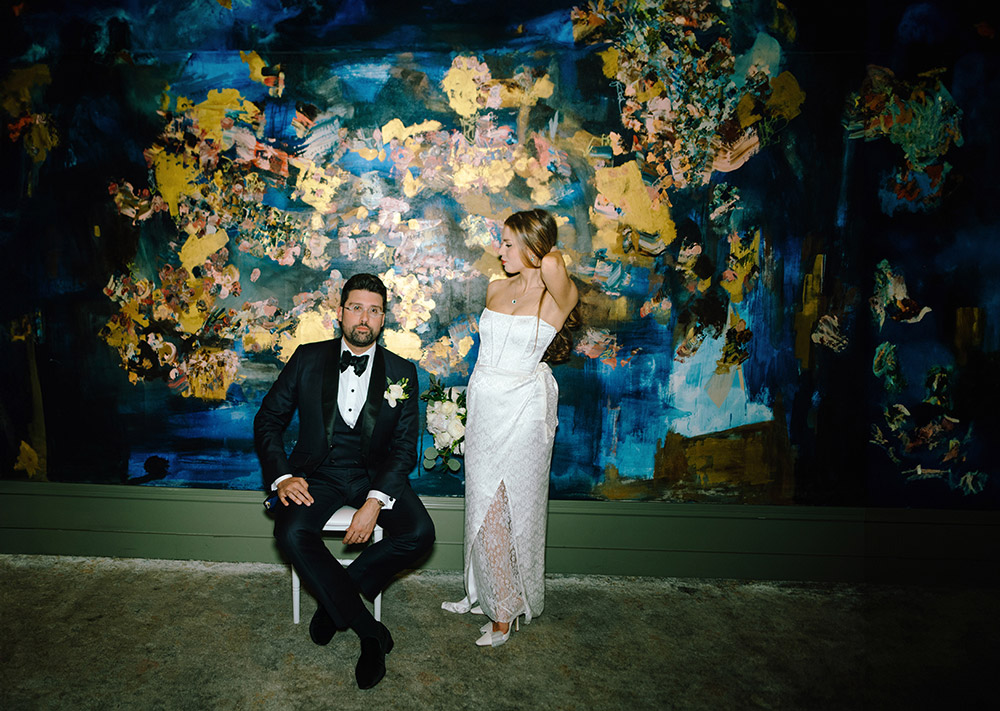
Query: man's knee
[
  {"x": 288, "y": 534},
  {"x": 416, "y": 538},
  {"x": 423, "y": 534}
]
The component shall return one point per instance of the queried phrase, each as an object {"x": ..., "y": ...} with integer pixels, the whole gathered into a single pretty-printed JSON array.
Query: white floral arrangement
[
  {"x": 446, "y": 413},
  {"x": 395, "y": 392}
]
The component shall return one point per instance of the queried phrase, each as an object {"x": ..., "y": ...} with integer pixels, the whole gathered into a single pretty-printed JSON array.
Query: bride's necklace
[{"x": 523, "y": 292}]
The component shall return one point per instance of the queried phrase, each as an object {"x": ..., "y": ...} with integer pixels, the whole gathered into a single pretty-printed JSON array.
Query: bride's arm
[{"x": 557, "y": 281}]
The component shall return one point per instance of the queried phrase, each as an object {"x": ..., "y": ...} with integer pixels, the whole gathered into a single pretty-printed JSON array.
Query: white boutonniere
[{"x": 396, "y": 392}]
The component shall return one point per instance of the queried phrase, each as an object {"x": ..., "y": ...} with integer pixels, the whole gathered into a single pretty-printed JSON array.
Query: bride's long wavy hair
[{"x": 536, "y": 231}]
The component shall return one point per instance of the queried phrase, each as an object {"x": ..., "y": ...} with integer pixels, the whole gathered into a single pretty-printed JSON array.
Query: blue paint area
[
  {"x": 212, "y": 71},
  {"x": 688, "y": 393},
  {"x": 552, "y": 29},
  {"x": 356, "y": 164},
  {"x": 362, "y": 80},
  {"x": 927, "y": 193},
  {"x": 278, "y": 123}
]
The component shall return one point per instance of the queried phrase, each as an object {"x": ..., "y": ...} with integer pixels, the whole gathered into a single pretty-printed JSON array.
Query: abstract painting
[{"x": 782, "y": 219}]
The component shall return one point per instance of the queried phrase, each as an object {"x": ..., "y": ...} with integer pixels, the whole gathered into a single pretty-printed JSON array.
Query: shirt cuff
[
  {"x": 387, "y": 501},
  {"x": 274, "y": 484}
]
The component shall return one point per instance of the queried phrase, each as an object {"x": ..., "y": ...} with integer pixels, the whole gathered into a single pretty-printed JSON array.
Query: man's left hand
[{"x": 363, "y": 522}]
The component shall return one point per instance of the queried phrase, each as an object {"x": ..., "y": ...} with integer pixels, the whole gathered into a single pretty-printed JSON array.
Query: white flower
[
  {"x": 448, "y": 408},
  {"x": 456, "y": 429},
  {"x": 395, "y": 392},
  {"x": 436, "y": 423},
  {"x": 442, "y": 441}
]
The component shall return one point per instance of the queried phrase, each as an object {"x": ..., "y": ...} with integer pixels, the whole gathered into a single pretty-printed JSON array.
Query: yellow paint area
[
  {"x": 176, "y": 177},
  {"x": 805, "y": 319},
  {"x": 535, "y": 175},
  {"x": 120, "y": 337},
  {"x": 396, "y": 129},
  {"x": 541, "y": 194},
  {"x": 745, "y": 113},
  {"x": 609, "y": 58},
  {"x": 489, "y": 265},
  {"x": 623, "y": 187},
  {"x": 15, "y": 91},
  {"x": 29, "y": 461},
  {"x": 786, "y": 96},
  {"x": 743, "y": 259},
  {"x": 370, "y": 153},
  {"x": 752, "y": 458},
  {"x": 197, "y": 249},
  {"x": 970, "y": 327},
  {"x": 582, "y": 141},
  {"x": 726, "y": 460},
  {"x": 403, "y": 343},
  {"x": 411, "y": 301},
  {"x": 618, "y": 310},
  {"x": 512, "y": 95},
  {"x": 784, "y": 22},
  {"x": 315, "y": 256},
  {"x": 496, "y": 174},
  {"x": 313, "y": 326},
  {"x": 646, "y": 93},
  {"x": 210, "y": 112},
  {"x": 211, "y": 372},
  {"x": 258, "y": 339},
  {"x": 316, "y": 187},
  {"x": 255, "y": 63},
  {"x": 40, "y": 139},
  {"x": 445, "y": 355},
  {"x": 462, "y": 85},
  {"x": 607, "y": 235},
  {"x": 192, "y": 318},
  {"x": 412, "y": 185},
  {"x": 132, "y": 309}
]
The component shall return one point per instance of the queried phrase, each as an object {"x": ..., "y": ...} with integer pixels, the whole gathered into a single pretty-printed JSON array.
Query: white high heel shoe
[
  {"x": 461, "y": 607},
  {"x": 495, "y": 639}
]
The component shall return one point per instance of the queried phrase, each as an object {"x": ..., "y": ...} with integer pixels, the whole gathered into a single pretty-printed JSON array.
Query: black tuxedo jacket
[{"x": 309, "y": 383}]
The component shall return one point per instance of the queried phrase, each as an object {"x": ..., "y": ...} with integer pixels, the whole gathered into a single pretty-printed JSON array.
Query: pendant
[{"x": 513, "y": 301}]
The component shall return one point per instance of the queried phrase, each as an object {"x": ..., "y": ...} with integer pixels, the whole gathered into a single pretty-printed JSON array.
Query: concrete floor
[{"x": 101, "y": 633}]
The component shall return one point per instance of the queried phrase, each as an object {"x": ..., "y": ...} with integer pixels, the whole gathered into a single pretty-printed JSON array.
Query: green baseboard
[{"x": 587, "y": 537}]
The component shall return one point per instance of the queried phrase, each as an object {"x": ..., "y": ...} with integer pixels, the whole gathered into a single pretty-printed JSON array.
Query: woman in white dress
[{"x": 511, "y": 424}]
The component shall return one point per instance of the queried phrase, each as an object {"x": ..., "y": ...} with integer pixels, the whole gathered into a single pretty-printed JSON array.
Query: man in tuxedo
[{"x": 357, "y": 444}]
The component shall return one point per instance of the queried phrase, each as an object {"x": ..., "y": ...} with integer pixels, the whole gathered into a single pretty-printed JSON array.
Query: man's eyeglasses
[{"x": 358, "y": 309}]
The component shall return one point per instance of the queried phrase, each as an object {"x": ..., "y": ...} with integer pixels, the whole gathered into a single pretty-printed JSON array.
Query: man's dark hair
[{"x": 363, "y": 282}]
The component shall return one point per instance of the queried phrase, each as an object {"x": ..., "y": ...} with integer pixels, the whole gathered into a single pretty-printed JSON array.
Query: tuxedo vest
[{"x": 345, "y": 452}]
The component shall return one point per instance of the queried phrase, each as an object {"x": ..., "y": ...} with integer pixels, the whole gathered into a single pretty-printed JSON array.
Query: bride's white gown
[{"x": 511, "y": 423}]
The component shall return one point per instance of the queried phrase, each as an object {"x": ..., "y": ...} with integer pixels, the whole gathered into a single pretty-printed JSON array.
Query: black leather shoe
[
  {"x": 371, "y": 664},
  {"x": 322, "y": 627}
]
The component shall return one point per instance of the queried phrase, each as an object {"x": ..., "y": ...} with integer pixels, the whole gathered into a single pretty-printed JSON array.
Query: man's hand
[
  {"x": 363, "y": 522},
  {"x": 294, "y": 490}
]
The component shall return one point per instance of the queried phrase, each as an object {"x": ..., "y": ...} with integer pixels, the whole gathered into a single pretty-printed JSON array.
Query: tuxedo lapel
[
  {"x": 376, "y": 393},
  {"x": 331, "y": 383}
]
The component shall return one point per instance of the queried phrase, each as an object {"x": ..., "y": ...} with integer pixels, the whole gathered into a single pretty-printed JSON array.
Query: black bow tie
[{"x": 347, "y": 359}]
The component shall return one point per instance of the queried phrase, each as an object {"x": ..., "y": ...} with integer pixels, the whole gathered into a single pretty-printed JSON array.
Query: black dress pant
[{"x": 409, "y": 533}]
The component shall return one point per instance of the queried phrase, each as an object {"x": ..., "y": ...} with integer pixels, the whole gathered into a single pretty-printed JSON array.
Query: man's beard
[{"x": 363, "y": 339}]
